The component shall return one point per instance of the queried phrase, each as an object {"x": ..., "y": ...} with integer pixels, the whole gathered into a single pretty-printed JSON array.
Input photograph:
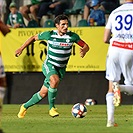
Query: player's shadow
[{"x": 29, "y": 61}]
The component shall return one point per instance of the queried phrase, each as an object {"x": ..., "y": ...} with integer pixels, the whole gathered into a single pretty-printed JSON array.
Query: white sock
[
  {"x": 110, "y": 107},
  {"x": 127, "y": 88}
]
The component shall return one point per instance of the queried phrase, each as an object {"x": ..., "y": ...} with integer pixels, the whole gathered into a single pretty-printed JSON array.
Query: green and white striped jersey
[{"x": 59, "y": 47}]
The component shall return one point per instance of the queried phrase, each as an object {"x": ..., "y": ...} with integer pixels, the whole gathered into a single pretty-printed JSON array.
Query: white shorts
[
  {"x": 2, "y": 72},
  {"x": 120, "y": 62}
]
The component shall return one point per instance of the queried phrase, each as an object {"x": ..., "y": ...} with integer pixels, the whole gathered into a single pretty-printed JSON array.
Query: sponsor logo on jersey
[
  {"x": 64, "y": 44},
  {"x": 123, "y": 45},
  {"x": 125, "y": 36}
]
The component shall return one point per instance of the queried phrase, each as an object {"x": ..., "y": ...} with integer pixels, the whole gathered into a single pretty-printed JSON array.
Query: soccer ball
[
  {"x": 79, "y": 110},
  {"x": 90, "y": 102}
]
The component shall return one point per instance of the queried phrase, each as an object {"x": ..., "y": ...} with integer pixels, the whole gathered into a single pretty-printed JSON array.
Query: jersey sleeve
[
  {"x": 44, "y": 35},
  {"x": 75, "y": 37}
]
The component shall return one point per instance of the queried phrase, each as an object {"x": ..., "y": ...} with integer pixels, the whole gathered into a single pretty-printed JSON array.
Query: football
[
  {"x": 90, "y": 102},
  {"x": 79, "y": 110}
]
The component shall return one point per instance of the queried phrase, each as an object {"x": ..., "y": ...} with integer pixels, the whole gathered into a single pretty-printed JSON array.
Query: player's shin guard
[
  {"x": 35, "y": 99},
  {"x": 52, "y": 92}
]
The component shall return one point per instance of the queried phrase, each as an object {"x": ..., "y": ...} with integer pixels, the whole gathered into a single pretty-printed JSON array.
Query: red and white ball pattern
[{"x": 79, "y": 110}]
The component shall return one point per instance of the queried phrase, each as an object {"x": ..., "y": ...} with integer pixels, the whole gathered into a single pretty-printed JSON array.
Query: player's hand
[
  {"x": 18, "y": 52},
  {"x": 83, "y": 51}
]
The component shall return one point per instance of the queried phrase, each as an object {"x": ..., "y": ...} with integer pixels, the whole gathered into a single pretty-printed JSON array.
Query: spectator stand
[
  {"x": 75, "y": 14},
  {"x": 32, "y": 24},
  {"x": 49, "y": 16},
  {"x": 82, "y": 23},
  {"x": 48, "y": 23}
]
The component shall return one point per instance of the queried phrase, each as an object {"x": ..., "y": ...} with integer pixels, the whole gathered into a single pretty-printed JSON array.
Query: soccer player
[
  {"x": 59, "y": 43},
  {"x": 3, "y": 84},
  {"x": 119, "y": 32}
]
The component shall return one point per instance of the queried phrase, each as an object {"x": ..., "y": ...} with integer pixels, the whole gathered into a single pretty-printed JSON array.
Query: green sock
[
  {"x": 35, "y": 99},
  {"x": 52, "y": 92}
]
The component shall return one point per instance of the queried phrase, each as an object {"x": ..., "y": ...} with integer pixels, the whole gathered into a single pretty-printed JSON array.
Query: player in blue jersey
[
  {"x": 59, "y": 44},
  {"x": 120, "y": 56}
]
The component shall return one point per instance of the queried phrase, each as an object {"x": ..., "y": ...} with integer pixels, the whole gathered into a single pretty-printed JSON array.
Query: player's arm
[
  {"x": 30, "y": 40},
  {"x": 107, "y": 35},
  {"x": 84, "y": 48}
]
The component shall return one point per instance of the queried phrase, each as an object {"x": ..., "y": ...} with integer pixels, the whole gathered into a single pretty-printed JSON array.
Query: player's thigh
[
  {"x": 61, "y": 72},
  {"x": 113, "y": 70},
  {"x": 126, "y": 62},
  {"x": 48, "y": 70}
]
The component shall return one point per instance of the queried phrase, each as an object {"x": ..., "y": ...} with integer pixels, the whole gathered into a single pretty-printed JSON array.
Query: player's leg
[
  {"x": 127, "y": 70},
  {"x": 127, "y": 89},
  {"x": 2, "y": 87},
  {"x": 52, "y": 93},
  {"x": 37, "y": 97},
  {"x": 112, "y": 74},
  {"x": 61, "y": 73},
  {"x": 110, "y": 105},
  {"x": 51, "y": 81},
  {"x": 53, "y": 76},
  {"x": 3, "y": 84}
]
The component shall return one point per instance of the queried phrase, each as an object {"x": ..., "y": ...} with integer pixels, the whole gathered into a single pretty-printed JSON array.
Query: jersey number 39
[{"x": 124, "y": 22}]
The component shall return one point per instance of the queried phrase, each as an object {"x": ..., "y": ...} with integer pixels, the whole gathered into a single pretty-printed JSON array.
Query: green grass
[{"x": 37, "y": 120}]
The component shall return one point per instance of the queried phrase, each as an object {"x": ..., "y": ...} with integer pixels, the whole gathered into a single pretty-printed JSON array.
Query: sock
[
  {"x": 127, "y": 89},
  {"x": 35, "y": 99},
  {"x": 52, "y": 92},
  {"x": 110, "y": 106}
]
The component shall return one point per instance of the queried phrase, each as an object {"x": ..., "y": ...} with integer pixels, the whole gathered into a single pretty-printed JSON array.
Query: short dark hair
[{"x": 59, "y": 18}]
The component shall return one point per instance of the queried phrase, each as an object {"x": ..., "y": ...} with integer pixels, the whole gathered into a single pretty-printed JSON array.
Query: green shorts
[{"x": 49, "y": 69}]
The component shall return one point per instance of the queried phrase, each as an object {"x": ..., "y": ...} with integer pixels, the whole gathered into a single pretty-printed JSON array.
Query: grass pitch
[{"x": 37, "y": 120}]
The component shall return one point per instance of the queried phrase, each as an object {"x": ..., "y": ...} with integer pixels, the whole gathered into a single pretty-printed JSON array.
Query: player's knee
[
  {"x": 43, "y": 94},
  {"x": 54, "y": 81}
]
